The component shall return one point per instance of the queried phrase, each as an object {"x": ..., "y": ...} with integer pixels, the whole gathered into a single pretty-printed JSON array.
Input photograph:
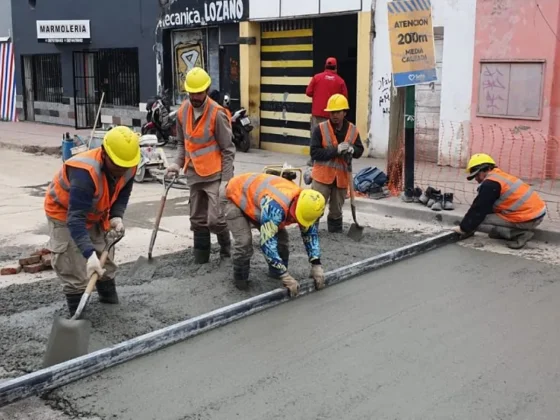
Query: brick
[
  {"x": 42, "y": 251},
  {"x": 34, "y": 259},
  {"x": 46, "y": 260},
  {"x": 34, "y": 268},
  {"x": 9, "y": 271}
]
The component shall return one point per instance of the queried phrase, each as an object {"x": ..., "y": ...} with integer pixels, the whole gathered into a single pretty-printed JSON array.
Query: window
[
  {"x": 118, "y": 69},
  {"x": 47, "y": 78},
  {"x": 511, "y": 89}
]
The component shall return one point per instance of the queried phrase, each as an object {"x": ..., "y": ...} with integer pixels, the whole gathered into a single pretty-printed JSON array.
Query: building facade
[
  {"x": 7, "y": 65},
  {"x": 67, "y": 55}
]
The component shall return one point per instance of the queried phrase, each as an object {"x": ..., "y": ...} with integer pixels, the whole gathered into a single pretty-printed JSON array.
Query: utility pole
[{"x": 409, "y": 124}]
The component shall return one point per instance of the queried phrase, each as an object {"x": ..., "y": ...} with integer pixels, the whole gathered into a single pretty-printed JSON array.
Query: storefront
[
  {"x": 204, "y": 34},
  {"x": 66, "y": 57}
]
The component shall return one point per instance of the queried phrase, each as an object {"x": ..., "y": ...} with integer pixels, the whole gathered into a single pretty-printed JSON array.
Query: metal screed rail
[{"x": 62, "y": 374}]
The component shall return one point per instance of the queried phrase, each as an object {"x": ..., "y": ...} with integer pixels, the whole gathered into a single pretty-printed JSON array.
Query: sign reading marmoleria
[
  {"x": 411, "y": 36},
  {"x": 193, "y": 13},
  {"x": 63, "y": 31}
]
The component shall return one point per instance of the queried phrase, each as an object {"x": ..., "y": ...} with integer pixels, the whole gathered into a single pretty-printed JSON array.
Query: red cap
[{"x": 331, "y": 61}]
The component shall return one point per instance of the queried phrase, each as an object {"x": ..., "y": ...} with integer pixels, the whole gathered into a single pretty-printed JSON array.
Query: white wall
[
  {"x": 275, "y": 9},
  {"x": 458, "y": 19}
]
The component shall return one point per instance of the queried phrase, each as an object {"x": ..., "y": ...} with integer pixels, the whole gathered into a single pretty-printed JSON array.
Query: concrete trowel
[{"x": 69, "y": 338}]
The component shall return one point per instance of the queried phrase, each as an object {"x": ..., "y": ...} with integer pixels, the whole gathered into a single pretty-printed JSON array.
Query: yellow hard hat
[
  {"x": 337, "y": 102},
  {"x": 475, "y": 163},
  {"x": 122, "y": 146},
  {"x": 310, "y": 207},
  {"x": 197, "y": 80}
]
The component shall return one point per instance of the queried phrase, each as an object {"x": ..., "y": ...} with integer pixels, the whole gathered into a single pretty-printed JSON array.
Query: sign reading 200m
[{"x": 192, "y": 13}]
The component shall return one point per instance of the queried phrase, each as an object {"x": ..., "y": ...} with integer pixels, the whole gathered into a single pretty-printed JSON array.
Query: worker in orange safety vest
[
  {"x": 504, "y": 203},
  {"x": 84, "y": 202},
  {"x": 207, "y": 160},
  {"x": 334, "y": 144}
]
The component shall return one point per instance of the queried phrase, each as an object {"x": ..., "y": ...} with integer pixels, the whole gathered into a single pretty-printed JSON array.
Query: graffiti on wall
[
  {"x": 493, "y": 90},
  {"x": 384, "y": 93},
  {"x": 187, "y": 56}
]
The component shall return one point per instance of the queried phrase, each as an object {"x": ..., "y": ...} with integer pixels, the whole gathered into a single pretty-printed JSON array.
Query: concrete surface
[{"x": 453, "y": 334}]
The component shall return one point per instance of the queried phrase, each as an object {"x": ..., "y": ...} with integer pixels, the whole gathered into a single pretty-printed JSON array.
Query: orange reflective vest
[
  {"x": 201, "y": 146},
  {"x": 247, "y": 190},
  {"x": 57, "y": 197},
  {"x": 326, "y": 172},
  {"x": 518, "y": 203}
]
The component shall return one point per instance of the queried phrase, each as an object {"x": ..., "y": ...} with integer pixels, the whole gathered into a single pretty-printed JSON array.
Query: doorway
[
  {"x": 86, "y": 96},
  {"x": 229, "y": 74},
  {"x": 337, "y": 36}
]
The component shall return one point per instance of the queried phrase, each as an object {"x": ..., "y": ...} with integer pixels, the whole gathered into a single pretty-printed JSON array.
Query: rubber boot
[
  {"x": 285, "y": 255},
  {"x": 202, "y": 244},
  {"x": 73, "y": 301},
  {"x": 520, "y": 239},
  {"x": 334, "y": 226},
  {"x": 107, "y": 291},
  {"x": 224, "y": 240},
  {"x": 241, "y": 274}
]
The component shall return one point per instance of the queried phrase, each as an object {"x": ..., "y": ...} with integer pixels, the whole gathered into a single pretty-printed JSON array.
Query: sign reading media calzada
[
  {"x": 411, "y": 35},
  {"x": 194, "y": 13}
]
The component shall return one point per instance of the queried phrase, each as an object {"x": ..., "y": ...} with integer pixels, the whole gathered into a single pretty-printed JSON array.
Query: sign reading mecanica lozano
[
  {"x": 63, "y": 31},
  {"x": 193, "y": 13}
]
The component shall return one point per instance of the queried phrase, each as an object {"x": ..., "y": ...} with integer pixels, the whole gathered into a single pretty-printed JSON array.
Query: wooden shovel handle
[{"x": 95, "y": 276}]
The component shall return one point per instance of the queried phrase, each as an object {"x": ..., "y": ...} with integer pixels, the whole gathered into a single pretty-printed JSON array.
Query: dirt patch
[{"x": 179, "y": 289}]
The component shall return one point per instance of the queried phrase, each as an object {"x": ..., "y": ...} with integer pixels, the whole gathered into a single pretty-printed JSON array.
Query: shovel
[
  {"x": 356, "y": 232},
  {"x": 145, "y": 268},
  {"x": 70, "y": 337}
]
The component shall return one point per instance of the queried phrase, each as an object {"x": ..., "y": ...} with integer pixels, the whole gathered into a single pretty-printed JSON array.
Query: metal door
[
  {"x": 86, "y": 94},
  {"x": 229, "y": 74},
  {"x": 29, "y": 96}
]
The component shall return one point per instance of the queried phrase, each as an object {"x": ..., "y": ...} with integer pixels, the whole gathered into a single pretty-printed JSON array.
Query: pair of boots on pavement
[
  {"x": 431, "y": 198},
  {"x": 106, "y": 289},
  {"x": 202, "y": 245}
]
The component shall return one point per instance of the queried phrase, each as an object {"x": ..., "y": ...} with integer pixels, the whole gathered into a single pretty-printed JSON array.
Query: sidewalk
[{"x": 34, "y": 137}]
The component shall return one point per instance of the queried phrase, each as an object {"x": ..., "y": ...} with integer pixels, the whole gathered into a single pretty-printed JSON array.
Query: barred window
[
  {"x": 47, "y": 78},
  {"x": 118, "y": 69}
]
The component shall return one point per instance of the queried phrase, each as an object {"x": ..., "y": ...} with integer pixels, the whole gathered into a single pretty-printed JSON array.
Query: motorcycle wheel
[
  {"x": 244, "y": 142},
  {"x": 140, "y": 174}
]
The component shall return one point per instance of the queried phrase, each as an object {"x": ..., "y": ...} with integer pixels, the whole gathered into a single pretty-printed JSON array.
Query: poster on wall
[
  {"x": 411, "y": 38},
  {"x": 196, "y": 13},
  {"x": 187, "y": 56}
]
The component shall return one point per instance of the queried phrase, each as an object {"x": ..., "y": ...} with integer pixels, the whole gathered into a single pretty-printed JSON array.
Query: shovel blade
[
  {"x": 355, "y": 232},
  {"x": 69, "y": 339},
  {"x": 143, "y": 268}
]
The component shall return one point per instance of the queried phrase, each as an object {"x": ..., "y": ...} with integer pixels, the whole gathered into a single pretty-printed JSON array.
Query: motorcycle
[
  {"x": 160, "y": 121},
  {"x": 152, "y": 158},
  {"x": 240, "y": 125}
]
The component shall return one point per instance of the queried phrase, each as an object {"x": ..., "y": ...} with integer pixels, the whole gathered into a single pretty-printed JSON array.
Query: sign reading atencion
[{"x": 63, "y": 31}]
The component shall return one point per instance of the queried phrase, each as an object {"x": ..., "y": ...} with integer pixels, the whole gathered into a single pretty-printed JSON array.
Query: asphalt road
[{"x": 453, "y": 334}]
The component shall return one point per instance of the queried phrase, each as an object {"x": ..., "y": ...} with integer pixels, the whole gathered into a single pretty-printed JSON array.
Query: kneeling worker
[
  {"x": 504, "y": 202},
  {"x": 86, "y": 199},
  {"x": 334, "y": 144},
  {"x": 270, "y": 203}
]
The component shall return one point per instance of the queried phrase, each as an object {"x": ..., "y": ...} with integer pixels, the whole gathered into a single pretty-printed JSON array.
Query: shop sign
[
  {"x": 63, "y": 31},
  {"x": 411, "y": 35},
  {"x": 194, "y": 13}
]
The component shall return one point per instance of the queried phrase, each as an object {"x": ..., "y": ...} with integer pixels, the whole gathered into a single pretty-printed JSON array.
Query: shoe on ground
[
  {"x": 408, "y": 195},
  {"x": 438, "y": 203},
  {"x": 493, "y": 234},
  {"x": 417, "y": 193},
  {"x": 520, "y": 240},
  {"x": 448, "y": 201},
  {"x": 426, "y": 196}
]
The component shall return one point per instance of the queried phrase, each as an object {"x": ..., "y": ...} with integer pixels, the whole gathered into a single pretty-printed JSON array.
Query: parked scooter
[
  {"x": 240, "y": 123},
  {"x": 152, "y": 158},
  {"x": 160, "y": 120}
]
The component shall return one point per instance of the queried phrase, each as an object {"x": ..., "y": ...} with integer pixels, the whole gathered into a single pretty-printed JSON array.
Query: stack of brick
[{"x": 39, "y": 260}]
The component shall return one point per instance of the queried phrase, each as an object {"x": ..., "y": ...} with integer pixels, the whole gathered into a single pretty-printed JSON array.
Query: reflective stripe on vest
[
  {"x": 266, "y": 184},
  {"x": 513, "y": 188},
  {"x": 337, "y": 163},
  {"x": 206, "y": 136}
]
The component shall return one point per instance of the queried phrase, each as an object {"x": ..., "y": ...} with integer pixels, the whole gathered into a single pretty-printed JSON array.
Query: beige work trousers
[
  {"x": 206, "y": 209},
  {"x": 68, "y": 262},
  {"x": 334, "y": 196},
  {"x": 506, "y": 229},
  {"x": 240, "y": 227}
]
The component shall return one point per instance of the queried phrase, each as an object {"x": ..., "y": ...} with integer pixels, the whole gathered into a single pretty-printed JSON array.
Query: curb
[{"x": 63, "y": 373}]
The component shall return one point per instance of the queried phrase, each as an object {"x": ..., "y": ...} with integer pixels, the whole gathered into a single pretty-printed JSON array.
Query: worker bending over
[
  {"x": 86, "y": 199},
  {"x": 507, "y": 204},
  {"x": 207, "y": 159},
  {"x": 270, "y": 203},
  {"x": 334, "y": 144}
]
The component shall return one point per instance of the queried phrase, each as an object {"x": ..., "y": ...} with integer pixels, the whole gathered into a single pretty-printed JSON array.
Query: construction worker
[
  {"x": 86, "y": 199},
  {"x": 207, "y": 160},
  {"x": 270, "y": 203},
  {"x": 508, "y": 205},
  {"x": 321, "y": 87},
  {"x": 334, "y": 144}
]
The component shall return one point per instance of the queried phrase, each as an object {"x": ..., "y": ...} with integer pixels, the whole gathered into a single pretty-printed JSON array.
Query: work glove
[
  {"x": 318, "y": 276},
  {"x": 172, "y": 169},
  {"x": 94, "y": 266},
  {"x": 342, "y": 148},
  {"x": 350, "y": 151},
  {"x": 290, "y": 283},
  {"x": 117, "y": 228}
]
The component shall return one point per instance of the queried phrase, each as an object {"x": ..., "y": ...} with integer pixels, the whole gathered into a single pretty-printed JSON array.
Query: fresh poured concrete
[{"x": 452, "y": 334}]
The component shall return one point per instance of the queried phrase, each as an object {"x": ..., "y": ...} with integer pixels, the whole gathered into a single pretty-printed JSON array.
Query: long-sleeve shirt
[
  {"x": 224, "y": 138},
  {"x": 322, "y": 154},
  {"x": 82, "y": 190},
  {"x": 488, "y": 192},
  {"x": 321, "y": 87},
  {"x": 272, "y": 215}
]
